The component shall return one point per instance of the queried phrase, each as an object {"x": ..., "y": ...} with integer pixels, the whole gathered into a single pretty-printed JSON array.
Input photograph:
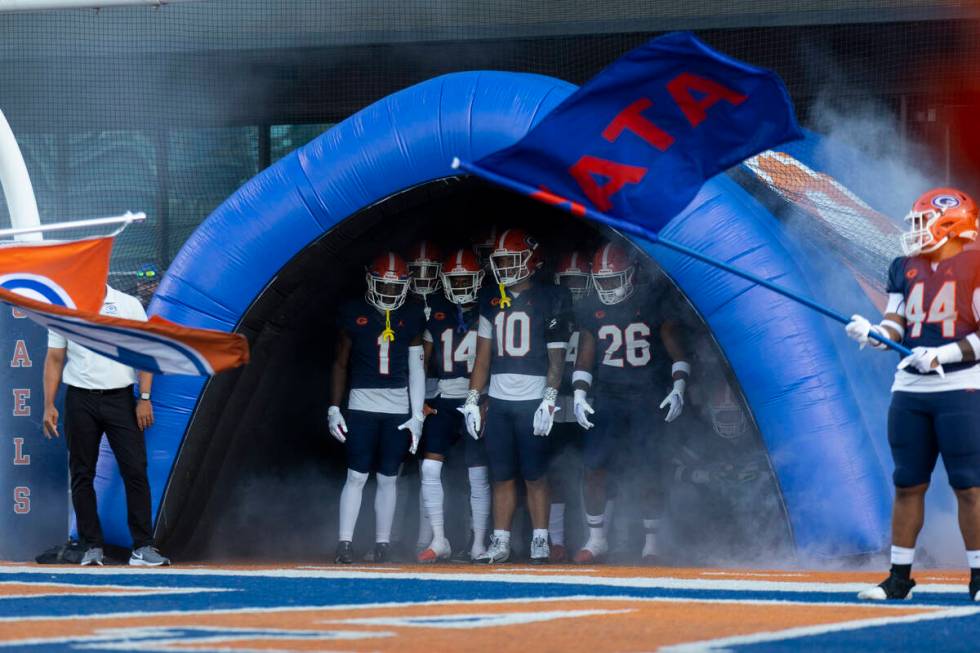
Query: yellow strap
[
  {"x": 388, "y": 334},
  {"x": 504, "y": 299}
]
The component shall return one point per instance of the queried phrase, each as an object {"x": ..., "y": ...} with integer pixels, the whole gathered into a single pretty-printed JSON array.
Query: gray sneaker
[
  {"x": 92, "y": 556},
  {"x": 540, "y": 551},
  {"x": 499, "y": 551},
  {"x": 147, "y": 556}
]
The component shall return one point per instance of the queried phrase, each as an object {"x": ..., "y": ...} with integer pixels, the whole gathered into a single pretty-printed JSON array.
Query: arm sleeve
[
  {"x": 427, "y": 336},
  {"x": 896, "y": 277},
  {"x": 561, "y": 321},
  {"x": 486, "y": 328},
  {"x": 416, "y": 378},
  {"x": 56, "y": 340}
]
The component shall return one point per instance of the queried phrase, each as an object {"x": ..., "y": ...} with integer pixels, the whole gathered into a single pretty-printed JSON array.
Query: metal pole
[
  {"x": 16, "y": 183},
  {"x": 125, "y": 219},
  {"x": 43, "y": 5}
]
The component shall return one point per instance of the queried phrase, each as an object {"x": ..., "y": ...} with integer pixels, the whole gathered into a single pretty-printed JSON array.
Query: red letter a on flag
[
  {"x": 618, "y": 174},
  {"x": 712, "y": 92}
]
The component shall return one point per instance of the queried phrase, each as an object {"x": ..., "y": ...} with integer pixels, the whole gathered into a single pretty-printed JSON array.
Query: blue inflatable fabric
[{"x": 787, "y": 361}]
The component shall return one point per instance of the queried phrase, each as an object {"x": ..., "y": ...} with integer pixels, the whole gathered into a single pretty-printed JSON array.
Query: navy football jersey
[
  {"x": 453, "y": 331},
  {"x": 626, "y": 335},
  {"x": 374, "y": 361},
  {"x": 938, "y": 303},
  {"x": 539, "y": 315}
]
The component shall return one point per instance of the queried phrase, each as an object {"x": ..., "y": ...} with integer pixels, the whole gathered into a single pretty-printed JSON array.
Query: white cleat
[
  {"x": 872, "y": 594},
  {"x": 540, "y": 551},
  {"x": 499, "y": 551},
  {"x": 438, "y": 550}
]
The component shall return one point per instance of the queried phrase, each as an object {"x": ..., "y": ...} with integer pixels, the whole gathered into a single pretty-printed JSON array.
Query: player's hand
[
  {"x": 338, "y": 427},
  {"x": 50, "y": 422},
  {"x": 582, "y": 410},
  {"x": 428, "y": 410},
  {"x": 414, "y": 427},
  {"x": 925, "y": 360},
  {"x": 860, "y": 330},
  {"x": 144, "y": 414},
  {"x": 674, "y": 401},
  {"x": 544, "y": 417},
  {"x": 471, "y": 414}
]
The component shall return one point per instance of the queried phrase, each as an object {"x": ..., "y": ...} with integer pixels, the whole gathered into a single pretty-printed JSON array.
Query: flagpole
[
  {"x": 647, "y": 234},
  {"x": 125, "y": 220}
]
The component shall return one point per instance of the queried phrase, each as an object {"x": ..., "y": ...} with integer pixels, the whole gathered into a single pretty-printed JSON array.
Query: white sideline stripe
[
  {"x": 636, "y": 583},
  {"x": 109, "y": 590},
  {"x": 723, "y": 643},
  {"x": 880, "y": 605}
]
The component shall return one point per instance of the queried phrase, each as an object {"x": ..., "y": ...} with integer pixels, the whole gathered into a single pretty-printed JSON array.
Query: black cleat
[
  {"x": 345, "y": 553},
  {"x": 975, "y": 588},
  {"x": 381, "y": 553},
  {"x": 893, "y": 587}
]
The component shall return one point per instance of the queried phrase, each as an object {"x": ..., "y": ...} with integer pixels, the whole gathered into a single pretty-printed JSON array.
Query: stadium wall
[{"x": 788, "y": 361}]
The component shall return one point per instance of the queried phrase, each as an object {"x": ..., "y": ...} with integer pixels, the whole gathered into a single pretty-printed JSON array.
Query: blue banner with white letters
[{"x": 637, "y": 141}]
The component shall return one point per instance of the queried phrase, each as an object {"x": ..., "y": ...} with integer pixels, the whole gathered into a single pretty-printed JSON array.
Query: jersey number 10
[{"x": 513, "y": 333}]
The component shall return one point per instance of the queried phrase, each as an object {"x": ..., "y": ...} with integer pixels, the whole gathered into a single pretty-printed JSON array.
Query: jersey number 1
[
  {"x": 942, "y": 310},
  {"x": 384, "y": 363}
]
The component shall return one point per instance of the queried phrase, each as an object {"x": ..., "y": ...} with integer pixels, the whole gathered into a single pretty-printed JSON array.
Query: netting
[{"x": 168, "y": 110}]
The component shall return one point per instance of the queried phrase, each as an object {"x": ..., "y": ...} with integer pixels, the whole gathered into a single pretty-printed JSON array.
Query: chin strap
[
  {"x": 389, "y": 333},
  {"x": 504, "y": 299}
]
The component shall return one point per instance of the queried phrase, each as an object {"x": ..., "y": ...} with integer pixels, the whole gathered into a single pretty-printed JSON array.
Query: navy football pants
[
  {"x": 374, "y": 443},
  {"x": 445, "y": 428},
  {"x": 512, "y": 448}
]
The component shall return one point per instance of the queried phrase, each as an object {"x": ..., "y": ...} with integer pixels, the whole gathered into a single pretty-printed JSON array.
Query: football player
[
  {"x": 933, "y": 309},
  {"x": 379, "y": 351},
  {"x": 450, "y": 352},
  {"x": 573, "y": 273},
  {"x": 523, "y": 332},
  {"x": 484, "y": 244},
  {"x": 615, "y": 343}
]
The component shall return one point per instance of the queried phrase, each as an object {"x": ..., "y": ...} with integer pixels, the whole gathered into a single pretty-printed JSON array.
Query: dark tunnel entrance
[{"x": 258, "y": 476}]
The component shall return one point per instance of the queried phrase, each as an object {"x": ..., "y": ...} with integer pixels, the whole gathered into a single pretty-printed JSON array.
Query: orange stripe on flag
[{"x": 71, "y": 274}]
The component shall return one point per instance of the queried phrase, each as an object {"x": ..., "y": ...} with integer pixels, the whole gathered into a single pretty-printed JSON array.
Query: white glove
[
  {"x": 925, "y": 360},
  {"x": 544, "y": 416},
  {"x": 582, "y": 410},
  {"x": 675, "y": 400},
  {"x": 338, "y": 427},
  {"x": 414, "y": 426},
  {"x": 471, "y": 414},
  {"x": 859, "y": 330}
]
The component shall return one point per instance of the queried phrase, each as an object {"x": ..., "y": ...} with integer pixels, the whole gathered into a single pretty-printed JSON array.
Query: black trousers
[{"x": 89, "y": 414}]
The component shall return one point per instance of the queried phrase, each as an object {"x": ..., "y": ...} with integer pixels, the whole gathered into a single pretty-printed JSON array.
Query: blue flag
[{"x": 639, "y": 140}]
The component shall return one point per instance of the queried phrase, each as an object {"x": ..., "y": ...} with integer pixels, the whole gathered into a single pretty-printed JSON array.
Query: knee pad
[
  {"x": 385, "y": 481},
  {"x": 356, "y": 479}
]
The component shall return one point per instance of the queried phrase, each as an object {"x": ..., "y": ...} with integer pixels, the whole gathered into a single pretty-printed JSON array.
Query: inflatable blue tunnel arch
[{"x": 796, "y": 372}]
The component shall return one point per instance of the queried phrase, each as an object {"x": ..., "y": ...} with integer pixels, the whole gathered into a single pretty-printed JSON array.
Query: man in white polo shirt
[{"x": 100, "y": 400}]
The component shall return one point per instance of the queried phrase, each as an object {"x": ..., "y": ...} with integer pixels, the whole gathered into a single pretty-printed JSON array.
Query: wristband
[
  {"x": 682, "y": 367},
  {"x": 950, "y": 353},
  {"x": 550, "y": 394},
  {"x": 473, "y": 397},
  {"x": 582, "y": 375}
]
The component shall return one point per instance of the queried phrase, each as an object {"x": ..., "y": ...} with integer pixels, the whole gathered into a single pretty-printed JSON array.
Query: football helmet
[
  {"x": 424, "y": 264},
  {"x": 727, "y": 416},
  {"x": 515, "y": 257},
  {"x": 485, "y": 243},
  {"x": 937, "y": 216},
  {"x": 462, "y": 276},
  {"x": 613, "y": 270},
  {"x": 387, "y": 282},
  {"x": 573, "y": 272}
]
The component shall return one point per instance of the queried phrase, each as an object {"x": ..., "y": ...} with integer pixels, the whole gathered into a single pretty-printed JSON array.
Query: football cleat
[
  {"x": 424, "y": 263},
  {"x": 613, "y": 270},
  {"x": 382, "y": 552},
  {"x": 558, "y": 554},
  {"x": 573, "y": 272},
  {"x": 462, "y": 277},
  {"x": 515, "y": 257},
  {"x": 345, "y": 553},
  {"x": 593, "y": 552},
  {"x": 937, "y": 216},
  {"x": 893, "y": 587},
  {"x": 438, "y": 550},
  {"x": 975, "y": 589},
  {"x": 387, "y": 282},
  {"x": 499, "y": 551},
  {"x": 540, "y": 551}
]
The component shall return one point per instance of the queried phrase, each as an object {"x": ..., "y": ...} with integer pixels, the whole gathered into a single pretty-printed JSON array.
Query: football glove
[
  {"x": 544, "y": 416},
  {"x": 338, "y": 427},
  {"x": 583, "y": 410},
  {"x": 925, "y": 360},
  {"x": 414, "y": 427},
  {"x": 859, "y": 330},
  {"x": 675, "y": 401},
  {"x": 471, "y": 414}
]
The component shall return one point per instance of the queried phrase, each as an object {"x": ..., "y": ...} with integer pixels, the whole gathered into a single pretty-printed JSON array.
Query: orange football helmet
[
  {"x": 574, "y": 273},
  {"x": 462, "y": 275},
  {"x": 424, "y": 264},
  {"x": 613, "y": 270},
  {"x": 937, "y": 216},
  {"x": 515, "y": 257},
  {"x": 387, "y": 281}
]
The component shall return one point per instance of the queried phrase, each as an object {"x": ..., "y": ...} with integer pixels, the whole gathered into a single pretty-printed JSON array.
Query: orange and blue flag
[
  {"x": 61, "y": 286},
  {"x": 69, "y": 274},
  {"x": 639, "y": 140}
]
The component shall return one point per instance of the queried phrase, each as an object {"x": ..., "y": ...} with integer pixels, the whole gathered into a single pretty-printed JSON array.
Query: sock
[
  {"x": 650, "y": 542},
  {"x": 902, "y": 559},
  {"x": 479, "y": 506},
  {"x": 384, "y": 507},
  {"x": 432, "y": 496},
  {"x": 597, "y": 527},
  {"x": 539, "y": 532},
  {"x": 350, "y": 503},
  {"x": 502, "y": 535},
  {"x": 607, "y": 517},
  {"x": 556, "y": 524},
  {"x": 973, "y": 559},
  {"x": 425, "y": 530}
]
